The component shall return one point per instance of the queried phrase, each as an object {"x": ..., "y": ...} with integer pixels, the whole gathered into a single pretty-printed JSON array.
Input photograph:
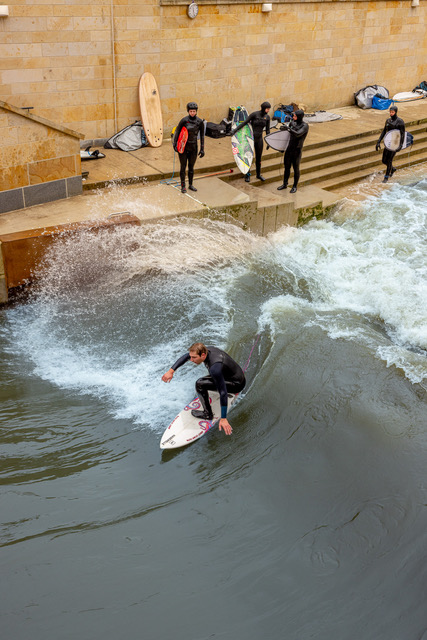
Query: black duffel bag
[{"x": 215, "y": 130}]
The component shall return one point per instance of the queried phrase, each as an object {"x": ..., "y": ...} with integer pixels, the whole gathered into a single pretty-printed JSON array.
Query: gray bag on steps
[{"x": 128, "y": 139}]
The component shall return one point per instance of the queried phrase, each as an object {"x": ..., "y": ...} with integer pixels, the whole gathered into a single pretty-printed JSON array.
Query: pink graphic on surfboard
[{"x": 182, "y": 140}]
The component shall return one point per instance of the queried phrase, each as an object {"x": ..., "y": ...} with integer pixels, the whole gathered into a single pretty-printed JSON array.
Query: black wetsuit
[
  {"x": 225, "y": 376},
  {"x": 394, "y": 122},
  {"x": 259, "y": 121},
  {"x": 298, "y": 130},
  {"x": 194, "y": 126}
]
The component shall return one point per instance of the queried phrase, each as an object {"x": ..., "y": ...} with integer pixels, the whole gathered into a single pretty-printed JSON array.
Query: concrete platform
[{"x": 147, "y": 202}]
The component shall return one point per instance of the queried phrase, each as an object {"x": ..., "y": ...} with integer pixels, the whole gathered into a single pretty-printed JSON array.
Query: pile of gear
[{"x": 373, "y": 97}]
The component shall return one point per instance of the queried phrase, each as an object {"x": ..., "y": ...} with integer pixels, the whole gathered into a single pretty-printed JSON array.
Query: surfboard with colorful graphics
[
  {"x": 186, "y": 429},
  {"x": 182, "y": 140},
  {"x": 242, "y": 143}
]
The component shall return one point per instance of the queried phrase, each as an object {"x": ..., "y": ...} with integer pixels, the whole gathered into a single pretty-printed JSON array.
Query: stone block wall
[
  {"x": 39, "y": 161},
  {"x": 78, "y": 63}
]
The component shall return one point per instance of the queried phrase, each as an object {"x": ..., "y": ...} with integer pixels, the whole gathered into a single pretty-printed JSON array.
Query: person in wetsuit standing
[
  {"x": 393, "y": 122},
  {"x": 259, "y": 120},
  {"x": 225, "y": 376},
  {"x": 194, "y": 126},
  {"x": 298, "y": 130}
]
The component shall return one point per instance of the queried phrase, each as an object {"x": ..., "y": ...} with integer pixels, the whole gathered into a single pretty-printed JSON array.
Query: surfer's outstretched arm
[
  {"x": 242, "y": 124},
  {"x": 167, "y": 377}
]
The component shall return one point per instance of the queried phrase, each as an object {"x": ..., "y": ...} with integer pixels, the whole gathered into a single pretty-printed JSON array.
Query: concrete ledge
[
  {"x": 45, "y": 192},
  {"x": 15, "y": 199},
  {"x": 74, "y": 186},
  {"x": 11, "y": 200}
]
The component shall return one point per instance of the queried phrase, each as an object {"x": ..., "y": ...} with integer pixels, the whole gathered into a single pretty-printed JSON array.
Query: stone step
[
  {"x": 337, "y": 182},
  {"x": 343, "y": 164},
  {"x": 273, "y": 210},
  {"x": 343, "y": 177},
  {"x": 313, "y": 151},
  {"x": 419, "y": 133},
  {"x": 369, "y": 166},
  {"x": 272, "y": 168},
  {"x": 362, "y": 135},
  {"x": 308, "y": 202}
]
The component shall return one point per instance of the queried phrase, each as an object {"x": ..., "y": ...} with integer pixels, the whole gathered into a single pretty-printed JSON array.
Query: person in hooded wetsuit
[
  {"x": 259, "y": 120},
  {"x": 225, "y": 376},
  {"x": 298, "y": 130},
  {"x": 393, "y": 122},
  {"x": 194, "y": 126}
]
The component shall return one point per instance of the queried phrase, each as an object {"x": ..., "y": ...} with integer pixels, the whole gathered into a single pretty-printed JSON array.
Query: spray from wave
[{"x": 113, "y": 310}]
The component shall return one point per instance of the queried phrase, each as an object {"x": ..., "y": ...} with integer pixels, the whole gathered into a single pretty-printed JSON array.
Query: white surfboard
[
  {"x": 278, "y": 140},
  {"x": 186, "y": 429},
  {"x": 407, "y": 96},
  {"x": 392, "y": 140}
]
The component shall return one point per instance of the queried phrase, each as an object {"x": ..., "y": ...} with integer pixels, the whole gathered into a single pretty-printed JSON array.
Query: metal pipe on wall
[{"x": 113, "y": 57}]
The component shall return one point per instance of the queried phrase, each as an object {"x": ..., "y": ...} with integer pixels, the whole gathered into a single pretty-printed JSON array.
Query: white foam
[
  {"x": 372, "y": 264},
  {"x": 114, "y": 310}
]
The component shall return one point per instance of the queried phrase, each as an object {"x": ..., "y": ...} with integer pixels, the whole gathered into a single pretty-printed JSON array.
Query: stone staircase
[{"x": 335, "y": 164}]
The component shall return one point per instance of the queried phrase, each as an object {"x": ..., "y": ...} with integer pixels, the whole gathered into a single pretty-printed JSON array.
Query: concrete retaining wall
[{"x": 39, "y": 161}]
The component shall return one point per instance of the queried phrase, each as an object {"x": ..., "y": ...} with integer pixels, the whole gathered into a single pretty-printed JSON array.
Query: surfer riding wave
[{"x": 225, "y": 376}]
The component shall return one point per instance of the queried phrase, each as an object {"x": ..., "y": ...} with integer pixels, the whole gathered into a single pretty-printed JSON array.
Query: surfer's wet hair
[{"x": 198, "y": 347}]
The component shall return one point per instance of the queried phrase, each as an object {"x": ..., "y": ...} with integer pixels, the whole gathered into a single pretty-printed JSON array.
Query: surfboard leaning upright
[
  {"x": 151, "y": 111},
  {"x": 242, "y": 143}
]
